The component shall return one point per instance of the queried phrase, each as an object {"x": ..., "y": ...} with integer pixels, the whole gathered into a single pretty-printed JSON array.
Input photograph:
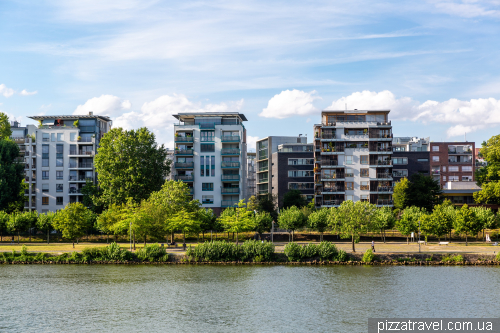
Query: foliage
[
  {"x": 5, "y": 131},
  {"x": 400, "y": 194},
  {"x": 451, "y": 258},
  {"x": 224, "y": 251},
  {"x": 486, "y": 218},
  {"x": 497, "y": 257},
  {"x": 368, "y": 256},
  {"x": 466, "y": 222},
  {"x": 318, "y": 220},
  {"x": 342, "y": 255},
  {"x": 268, "y": 203},
  {"x": 19, "y": 221},
  {"x": 152, "y": 253},
  {"x": 489, "y": 194},
  {"x": 253, "y": 203},
  {"x": 44, "y": 222},
  {"x": 252, "y": 249},
  {"x": 11, "y": 174},
  {"x": 423, "y": 192},
  {"x": 90, "y": 191},
  {"x": 327, "y": 251},
  {"x": 187, "y": 222},
  {"x": 76, "y": 123},
  {"x": 408, "y": 222},
  {"x": 294, "y": 198},
  {"x": 291, "y": 219},
  {"x": 383, "y": 219},
  {"x": 293, "y": 251},
  {"x": 4, "y": 220},
  {"x": 130, "y": 164},
  {"x": 263, "y": 222},
  {"x": 73, "y": 221},
  {"x": 208, "y": 220},
  {"x": 441, "y": 219},
  {"x": 237, "y": 219}
]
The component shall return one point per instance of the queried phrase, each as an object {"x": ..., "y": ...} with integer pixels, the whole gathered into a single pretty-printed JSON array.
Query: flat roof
[
  {"x": 356, "y": 111},
  {"x": 70, "y": 117},
  {"x": 184, "y": 115}
]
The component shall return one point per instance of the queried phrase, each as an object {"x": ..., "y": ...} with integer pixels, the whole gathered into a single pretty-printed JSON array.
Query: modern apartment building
[
  {"x": 292, "y": 169},
  {"x": 251, "y": 174},
  {"x": 353, "y": 157},
  {"x": 210, "y": 156},
  {"x": 452, "y": 161},
  {"x": 59, "y": 158},
  {"x": 265, "y": 149},
  {"x": 410, "y": 155}
]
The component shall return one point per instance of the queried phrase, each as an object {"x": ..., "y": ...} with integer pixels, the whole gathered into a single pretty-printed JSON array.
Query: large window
[
  {"x": 59, "y": 201},
  {"x": 348, "y": 159},
  {"x": 45, "y": 137},
  {"x": 435, "y": 148},
  {"x": 400, "y": 173},
  {"x": 59, "y": 175},
  {"x": 59, "y": 187},
  {"x": 349, "y": 186},
  {"x": 45, "y": 175},
  {"x": 349, "y": 172},
  {"x": 45, "y": 187},
  {"x": 207, "y": 136},
  {"x": 365, "y": 186},
  {"x": 207, "y": 148},
  {"x": 300, "y": 173},
  {"x": 364, "y": 159},
  {"x": 435, "y": 158},
  {"x": 301, "y": 186},
  {"x": 466, "y": 168},
  {"x": 212, "y": 163},
  {"x": 60, "y": 137},
  {"x": 400, "y": 160},
  {"x": 453, "y": 168},
  {"x": 45, "y": 155},
  {"x": 207, "y": 186},
  {"x": 422, "y": 160},
  {"x": 202, "y": 166},
  {"x": 300, "y": 161},
  {"x": 207, "y": 199},
  {"x": 53, "y": 137},
  {"x": 59, "y": 155},
  {"x": 364, "y": 172},
  {"x": 453, "y": 178}
]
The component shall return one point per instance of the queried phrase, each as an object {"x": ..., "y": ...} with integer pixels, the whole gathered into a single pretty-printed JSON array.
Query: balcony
[
  {"x": 458, "y": 152},
  {"x": 263, "y": 180},
  {"x": 332, "y": 202},
  {"x": 230, "y": 178},
  {"x": 184, "y": 165},
  {"x": 81, "y": 165},
  {"x": 228, "y": 203},
  {"x": 86, "y": 139},
  {"x": 332, "y": 150},
  {"x": 263, "y": 191},
  {"x": 460, "y": 162},
  {"x": 364, "y": 187},
  {"x": 326, "y": 163},
  {"x": 381, "y": 136},
  {"x": 26, "y": 204},
  {"x": 384, "y": 175},
  {"x": 184, "y": 139},
  {"x": 191, "y": 191},
  {"x": 184, "y": 152},
  {"x": 379, "y": 162},
  {"x": 382, "y": 202},
  {"x": 230, "y": 138},
  {"x": 80, "y": 178},
  {"x": 185, "y": 178},
  {"x": 349, "y": 174},
  {"x": 384, "y": 189},
  {"x": 381, "y": 149},
  {"x": 73, "y": 190},
  {"x": 81, "y": 153},
  {"x": 399, "y": 174},
  {"x": 334, "y": 189},
  {"x": 230, "y": 190},
  {"x": 230, "y": 165},
  {"x": 328, "y": 136},
  {"x": 230, "y": 151},
  {"x": 436, "y": 172},
  {"x": 356, "y": 136}
]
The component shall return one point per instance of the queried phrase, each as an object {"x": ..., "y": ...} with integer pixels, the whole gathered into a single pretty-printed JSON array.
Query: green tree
[
  {"x": 263, "y": 223},
  {"x": 11, "y": 174},
  {"x": 268, "y": 203},
  {"x": 466, "y": 222},
  {"x": 440, "y": 222},
  {"x": 17, "y": 204},
  {"x": 44, "y": 223},
  {"x": 423, "y": 192},
  {"x": 383, "y": 219},
  {"x": 111, "y": 220},
  {"x": 351, "y": 219},
  {"x": 187, "y": 222},
  {"x": 18, "y": 221},
  {"x": 253, "y": 203},
  {"x": 400, "y": 194},
  {"x": 489, "y": 194},
  {"x": 408, "y": 222},
  {"x": 238, "y": 219},
  {"x": 486, "y": 217},
  {"x": 488, "y": 177},
  {"x": 294, "y": 198},
  {"x": 72, "y": 221},
  {"x": 291, "y": 219},
  {"x": 318, "y": 220},
  {"x": 91, "y": 197},
  {"x": 5, "y": 131},
  {"x": 208, "y": 221},
  {"x": 4, "y": 220},
  {"x": 130, "y": 164}
]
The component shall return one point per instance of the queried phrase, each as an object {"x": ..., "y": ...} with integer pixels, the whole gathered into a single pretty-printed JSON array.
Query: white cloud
[
  {"x": 252, "y": 142},
  {"x": 468, "y": 8},
  {"x": 7, "y": 92},
  {"x": 290, "y": 103},
  {"x": 462, "y": 116},
  {"x": 28, "y": 93},
  {"x": 105, "y": 105}
]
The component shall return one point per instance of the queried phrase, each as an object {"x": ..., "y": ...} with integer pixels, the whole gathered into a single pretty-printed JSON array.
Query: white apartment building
[
  {"x": 59, "y": 158},
  {"x": 210, "y": 156}
]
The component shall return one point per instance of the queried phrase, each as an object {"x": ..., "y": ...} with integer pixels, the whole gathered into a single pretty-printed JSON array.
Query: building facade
[
  {"x": 452, "y": 161},
  {"x": 251, "y": 174},
  {"x": 292, "y": 169},
  {"x": 265, "y": 149},
  {"x": 410, "y": 155},
  {"x": 59, "y": 158},
  {"x": 353, "y": 157},
  {"x": 210, "y": 156}
]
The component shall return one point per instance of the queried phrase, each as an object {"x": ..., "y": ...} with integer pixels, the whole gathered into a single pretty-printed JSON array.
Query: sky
[{"x": 434, "y": 63}]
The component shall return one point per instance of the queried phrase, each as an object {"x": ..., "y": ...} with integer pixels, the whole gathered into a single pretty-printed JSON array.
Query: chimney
[{"x": 91, "y": 113}]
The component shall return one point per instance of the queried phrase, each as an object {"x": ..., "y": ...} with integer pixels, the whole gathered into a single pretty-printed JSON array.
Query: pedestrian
[{"x": 373, "y": 245}]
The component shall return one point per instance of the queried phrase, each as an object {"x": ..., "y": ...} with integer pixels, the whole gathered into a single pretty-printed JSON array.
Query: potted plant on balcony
[
  {"x": 76, "y": 123},
  {"x": 176, "y": 135},
  {"x": 79, "y": 138},
  {"x": 323, "y": 150},
  {"x": 40, "y": 124},
  {"x": 331, "y": 146},
  {"x": 365, "y": 130},
  {"x": 317, "y": 134}
]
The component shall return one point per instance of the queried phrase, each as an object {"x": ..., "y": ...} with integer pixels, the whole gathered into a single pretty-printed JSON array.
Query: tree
[
  {"x": 263, "y": 222},
  {"x": 18, "y": 221},
  {"x": 408, "y": 222},
  {"x": 318, "y": 221},
  {"x": 488, "y": 177},
  {"x": 383, "y": 219},
  {"x": 424, "y": 192},
  {"x": 5, "y": 131},
  {"x": 489, "y": 194},
  {"x": 466, "y": 222},
  {"x": 4, "y": 220},
  {"x": 351, "y": 219},
  {"x": 11, "y": 174},
  {"x": 253, "y": 203},
  {"x": 486, "y": 217},
  {"x": 72, "y": 221},
  {"x": 90, "y": 191},
  {"x": 111, "y": 221},
  {"x": 44, "y": 223},
  {"x": 440, "y": 222},
  {"x": 294, "y": 198},
  {"x": 208, "y": 221},
  {"x": 291, "y": 219},
  {"x": 187, "y": 222},
  {"x": 238, "y": 219},
  {"x": 268, "y": 203},
  {"x": 129, "y": 164},
  {"x": 400, "y": 194}
]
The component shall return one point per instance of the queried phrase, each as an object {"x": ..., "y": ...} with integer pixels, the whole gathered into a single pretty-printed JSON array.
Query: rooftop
[
  {"x": 355, "y": 111},
  {"x": 76, "y": 116},
  {"x": 191, "y": 115}
]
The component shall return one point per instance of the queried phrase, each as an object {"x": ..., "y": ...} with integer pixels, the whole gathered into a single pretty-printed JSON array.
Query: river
[{"x": 190, "y": 298}]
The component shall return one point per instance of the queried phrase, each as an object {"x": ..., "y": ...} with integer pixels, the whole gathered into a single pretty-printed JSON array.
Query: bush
[
  {"x": 498, "y": 256},
  {"x": 252, "y": 249},
  {"x": 309, "y": 251},
  {"x": 214, "y": 251},
  {"x": 368, "y": 256},
  {"x": 293, "y": 251},
  {"x": 112, "y": 252},
  {"x": 93, "y": 253},
  {"x": 450, "y": 258},
  {"x": 153, "y": 253},
  {"x": 342, "y": 255},
  {"x": 327, "y": 251}
]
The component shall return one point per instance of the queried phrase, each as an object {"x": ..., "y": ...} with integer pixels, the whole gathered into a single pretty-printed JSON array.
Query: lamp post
[{"x": 419, "y": 236}]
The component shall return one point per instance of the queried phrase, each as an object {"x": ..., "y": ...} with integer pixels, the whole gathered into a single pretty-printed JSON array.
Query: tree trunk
[
  {"x": 133, "y": 236},
  {"x": 184, "y": 238},
  {"x": 321, "y": 236},
  {"x": 29, "y": 231},
  {"x": 293, "y": 234},
  {"x": 203, "y": 236},
  {"x": 483, "y": 235},
  {"x": 114, "y": 237},
  {"x": 228, "y": 236},
  {"x": 172, "y": 237},
  {"x": 289, "y": 237},
  {"x": 48, "y": 236},
  {"x": 73, "y": 243},
  {"x": 211, "y": 235},
  {"x": 107, "y": 239},
  {"x": 18, "y": 237},
  {"x": 144, "y": 240},
  {"x": 233, "y": 236},
  {"x": 466, "y": 239},
  {"x": 236, "y": 238},
  {"x": 382, "y": 235},
  {"x": 353, "y": 248}
]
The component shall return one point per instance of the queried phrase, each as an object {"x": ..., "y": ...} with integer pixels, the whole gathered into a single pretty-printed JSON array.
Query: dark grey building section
[
  {"x": 281, "y": 180},
  {"x": 417, "y": 162}
]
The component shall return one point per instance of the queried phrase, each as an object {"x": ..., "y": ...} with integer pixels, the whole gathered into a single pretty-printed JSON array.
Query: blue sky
[{"x": 434, "y": 63}]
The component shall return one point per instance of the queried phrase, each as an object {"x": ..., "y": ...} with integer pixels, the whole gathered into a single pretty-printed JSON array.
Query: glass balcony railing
[
  {"x": 230, "y": 190},
  {"x": 184, "y": 178},
  {"x": 230, "y": 138},
  {"x": 184, "y": 152},
  {"x": 382, "y": 202},
  {"x": 183, "y": 139},
  {"x": 230, "y": 151},
  {"x": 184, "y": 165},
  {"x": 228, "y": 203},
  {"x": 226, "y": 164},
  {"x": 384, "y": 175},
  {"x": 230, "y": 177}
]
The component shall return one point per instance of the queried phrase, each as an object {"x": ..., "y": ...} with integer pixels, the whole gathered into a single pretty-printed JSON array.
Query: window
[
  {"x": 349, "y": 172},
  {"x": 466, "y": 168},
  {"x": 453, "y": 169},
  {"x": 207, "y": 199},
  {"x": 72, "y": 137},
  {"x": 444, "y": 178},
  {"x": 364, "y": 172},
  {"x": 45, "y": 137},
  {"x": 348, "y": 159},
  {"x": 59, "y": 187},
  {"x": 300, "y": 173},
  {"x": 435, "y": 158},
  {"x": 202, "y": 166},
  {"x": 45, "y": 187},
  {"x": 59, "y": 201},
  {"x": 444, "y": 169},
  {"x": 365, "y": 186},
  {"x": 453, "y": 178},
  {"x": 207, "y": 148},
  {"x": 400, "y": 173},
  {"x": 45, "y": 175},
  {"x": 59, "y": 175},
  {"x": 349, "y": 186},
  {"x": 422, "y": 160},
  {"x": 301, "y": 186},
  {"x": 435, "y": 148},
  {"x": 207, "y": 136},
  {"x": 400, "y": 160},
  {"x": 213, "y": 166},
  {"x": 349, "y": 197},
  {"x": 466, "y": 178},
  {"x": 60, "y": 137},
  {"x": 207, "y": 186},
  {"x": 364, "y": 197},
  {"x": 53, "y": 137},
  {"x": 300, "y": 161},
  {"x": 45, "y": 200},
  {"x": 59, "y": 155},
  {"x": 364, "y": 159}
]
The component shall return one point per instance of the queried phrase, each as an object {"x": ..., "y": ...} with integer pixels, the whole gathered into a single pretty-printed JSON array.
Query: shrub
[
  {"x": 342, "y": 255},
  {"x": 431, "y": 258},
  {"x": 309, "y": 251},
  {"x": 214, "y": 251},
  {"x": 251, "y": 249},
  {"x": 93, "y": 253},
  {"x": 112, "y": 252},
  {"x": 327, "y": 251},
  {"x": 293, "y": 251},
  {"x": 153, "y": 253},
  {"x": 24, "y": 250},
  {"x": 40, "y": 257},
  {"x": 368, "y": 256},
  {"x": 258, "y": 259},
  {"x": 451, "y": 258},
  {"x": 498, "y": 256}
]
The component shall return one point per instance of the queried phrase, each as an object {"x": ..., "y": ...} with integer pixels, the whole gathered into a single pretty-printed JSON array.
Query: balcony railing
[
  {"x": 230, "y": 177},
  {"x": 81, "y": 152},
  {"x": 73, "y": 190},
  {"x": 230, "y": 190},
  {"x": 226, "y": 164},
  {"x": 184, "y": 178},
  {"x": 230, "y": 138},
  {"x": 228, "y": 203},
  {"x": 183, "y": 139},
  {"x": 356, "y": 136},
  {"x": 184, "y": 152},
  {"x": 339, "y": 149},
  {"x": 85, "y": 139},
  {"x": 384, "y": 175},
  {"x": 364, "y": 187},
  {"x": 464, "y": 152},
  {"x": 349, "y": 174},
  {"x": 328, "y": 162},
  {"x": 378, "y": 162},
  {"x": 263, "y": 191},
  {"x": 435, "y": 172},
  {"x": 80, "y": 178},
  {"x": 399, "y": 174},
  {"x": 382, "y": 202},
  {"x": 184, "y": 165},
  {"x": 388, "y": 149},
  {"x": 230, "y": 151},
  {"x": 333, "y": 189},
  {"x": 381, "y": 136},
  {"x": 385, "y": 189},
  {"x": 81, "y": 165},
  {"x": 332, "y": 202},
  {"x": 328, "y": 136},
  {"x": 263, "y": 180},
  {"x": 458, "y": 162}
]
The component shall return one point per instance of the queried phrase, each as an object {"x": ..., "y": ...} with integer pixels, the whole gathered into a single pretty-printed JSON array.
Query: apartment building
[
  {"x": 59, "y": 158},
  {"x": 265, "y": 149},
  {"x": 210, "y": 156},
  {"x": 353, "y": 157},
  {"x": 292, "y": 169},
  {"x": 410, "y": 155},
  {"x": 251, "y": 174},
  {"x": 452, "y": 161}
]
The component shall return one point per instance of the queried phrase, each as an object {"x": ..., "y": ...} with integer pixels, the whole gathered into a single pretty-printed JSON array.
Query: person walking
[{"x": 373, "y": 245}]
